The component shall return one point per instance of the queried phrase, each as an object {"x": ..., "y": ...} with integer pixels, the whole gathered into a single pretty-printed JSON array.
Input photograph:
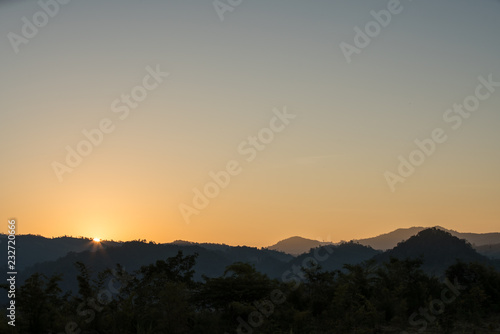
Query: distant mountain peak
[{"x": 297, "y": 245}]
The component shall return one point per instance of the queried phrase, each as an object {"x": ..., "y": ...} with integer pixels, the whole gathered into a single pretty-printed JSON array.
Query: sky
[{"x": 247, "y": 122}]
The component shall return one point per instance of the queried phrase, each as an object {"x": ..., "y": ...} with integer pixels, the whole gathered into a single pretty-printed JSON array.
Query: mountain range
[
  {"x": 487, "y": 244},
  {"x": 436, "y": 247}
]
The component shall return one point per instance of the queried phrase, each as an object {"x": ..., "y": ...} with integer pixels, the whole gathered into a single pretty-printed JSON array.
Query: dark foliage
[{"x": 361, "y": 298}]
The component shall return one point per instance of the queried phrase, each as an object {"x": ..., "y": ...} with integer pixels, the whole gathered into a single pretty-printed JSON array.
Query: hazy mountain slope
[
  {"x": 285, "y": 257},
  {"x": 478, "y": 239},
  {"x": 391, "y": 239},
  {"x": 335, "y": 256},
  {"x": 491, "y": 251},
  {"x": 296, "y": 245}
]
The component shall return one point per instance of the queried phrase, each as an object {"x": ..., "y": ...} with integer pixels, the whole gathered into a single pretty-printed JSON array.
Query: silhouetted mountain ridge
[
  {"x": 391, "y": 239},
  {"x": 438, "y": 250},
  {"x": 296, "y": 245},
  {"x": 134, "y": 254},
  {"x": 333, "y": 257},
  {"x": 480, "y": 241},
  {"x": 32, "y": 249}
]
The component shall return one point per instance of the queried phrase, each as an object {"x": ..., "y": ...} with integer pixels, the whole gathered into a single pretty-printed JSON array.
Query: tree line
[{"x": 393, "y": 297}]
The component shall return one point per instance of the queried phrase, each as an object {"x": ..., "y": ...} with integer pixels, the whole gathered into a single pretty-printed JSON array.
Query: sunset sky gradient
[{"x": 322, "y": 177}]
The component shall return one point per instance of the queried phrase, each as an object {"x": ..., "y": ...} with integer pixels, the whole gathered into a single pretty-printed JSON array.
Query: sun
[{"x": 97, "y": 240}]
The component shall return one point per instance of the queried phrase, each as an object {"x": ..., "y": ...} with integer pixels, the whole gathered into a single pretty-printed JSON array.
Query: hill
[
  {"x": 335, "y": 256},
  {"x": 133, "y": 255},
  {"x": 438, "y": 250},
  {"x": 491, "y": 251},
  {"x": 296, "y": 245},
  {"x": 391, "y": 239},
  {"x": 32, "y": 249}
]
